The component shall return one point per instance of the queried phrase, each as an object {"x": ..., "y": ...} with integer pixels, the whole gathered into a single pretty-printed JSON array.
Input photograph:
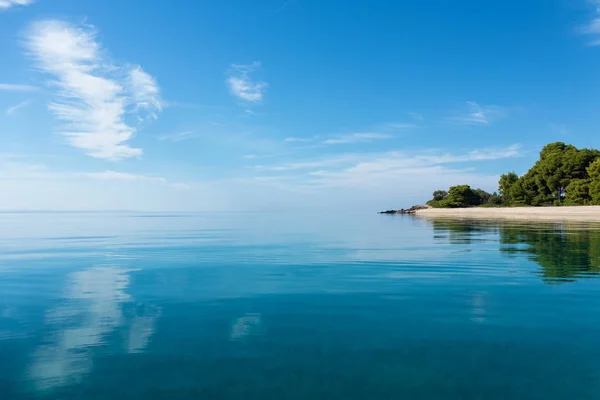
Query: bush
[
  {"x": 434, "y": 204},
  {"x": 461, "y": 196},
  {"x": 439, "y": 195}
]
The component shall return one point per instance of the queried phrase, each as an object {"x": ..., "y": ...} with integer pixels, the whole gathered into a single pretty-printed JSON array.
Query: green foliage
[
  {"x": 595, "y": 192},
  {"x": 434, "y": 204},
  {"x": 593, "y": 169},
  {"x": 505, "y": 185},
  {"x": 483, "y": 196},
  {"x": 495, "y": 200},
  {"x": 563, "y": 175},
  {"x": 523, "y": 191},
  {"x": 440, "y": 195},
  {"x": 594, "y": 187},
  {"x": 561, "y": 169},
  {"x": 578, "y": 192},
  {"x": 561, "y": 164},
  {"x": 461, "y": 196}
]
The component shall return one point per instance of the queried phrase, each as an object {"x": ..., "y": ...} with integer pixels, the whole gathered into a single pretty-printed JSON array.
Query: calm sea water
[{"x": 276, "y": 306}]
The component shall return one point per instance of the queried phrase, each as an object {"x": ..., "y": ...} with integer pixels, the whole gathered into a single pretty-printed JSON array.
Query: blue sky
[{"x": 285, "y": 105}]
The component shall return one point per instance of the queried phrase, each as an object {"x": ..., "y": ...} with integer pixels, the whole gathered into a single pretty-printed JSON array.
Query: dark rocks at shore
[{"x": 403, "y": 211}]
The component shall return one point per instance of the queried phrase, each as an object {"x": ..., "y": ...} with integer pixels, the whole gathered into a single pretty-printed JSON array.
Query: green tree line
[{"x": 563, "y": 175}]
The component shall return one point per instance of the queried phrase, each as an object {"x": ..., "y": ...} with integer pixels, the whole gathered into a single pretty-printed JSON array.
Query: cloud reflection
[
  {"x": 91, "y": 309},
  {"x": 245, "y": 326}
]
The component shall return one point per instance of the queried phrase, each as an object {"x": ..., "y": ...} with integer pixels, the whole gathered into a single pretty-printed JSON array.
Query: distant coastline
[
  {"x": 563, "y": 185},
  {"x": 579, "y": 214}
]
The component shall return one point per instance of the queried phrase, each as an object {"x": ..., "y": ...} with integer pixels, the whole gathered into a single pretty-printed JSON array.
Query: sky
[{"x": 285, "y": 105}]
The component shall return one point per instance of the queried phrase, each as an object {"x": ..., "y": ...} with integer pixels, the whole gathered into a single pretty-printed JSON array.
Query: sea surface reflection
[{"x": 280, "y": 306}]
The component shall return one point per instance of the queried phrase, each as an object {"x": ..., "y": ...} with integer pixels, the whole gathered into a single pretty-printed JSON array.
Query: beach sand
[{"x": 581, "y": 214}]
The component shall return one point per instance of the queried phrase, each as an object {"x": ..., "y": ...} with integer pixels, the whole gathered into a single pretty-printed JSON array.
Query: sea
[{"x": 136, "y": 305}]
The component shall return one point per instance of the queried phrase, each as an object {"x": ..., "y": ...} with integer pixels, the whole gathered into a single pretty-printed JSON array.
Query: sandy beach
[{"x": 581, "y": 214}]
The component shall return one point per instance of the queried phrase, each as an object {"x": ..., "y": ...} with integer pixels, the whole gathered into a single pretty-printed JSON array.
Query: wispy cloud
[
  {"x": 298, "y": 140},
  {"x": 342, "y": 159},
  {"x": 6, "y": 4},
  {"x": 351, "y": 180},
  {"x": 22, "y": 167},
  {"x": 12, "y": 87},
  {"x": 19, "y": 164},
  {"x": 282, "y": 6},
  {"x": 93, "y": 95},
  {"x": 592, "y": 28},
  {"x": 179, "y": 136},
  {"x": 145, "y": 92},
  {"x": 392, "y": 160},
  {"x": 383, "y": 168},
  {"x": 243, "y": 86},
  {"x": 398, "y": 126},
  {"x": 358, "y": 138},
  {"x": 416, "y": 116},
  {"x": 479, "y": 115},
  {"x": 12, "y": 110},
  {"x": 128, "y": 177},
  {"x": 382, "y": 131},
  {"x": 123, "y": 176}
]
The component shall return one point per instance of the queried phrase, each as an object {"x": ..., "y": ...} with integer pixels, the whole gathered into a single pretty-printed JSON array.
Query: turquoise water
[{"x": 276, "y": 306}]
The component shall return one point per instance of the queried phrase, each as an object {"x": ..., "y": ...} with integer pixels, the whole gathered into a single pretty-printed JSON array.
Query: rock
[{"x": 411, "y": 210}]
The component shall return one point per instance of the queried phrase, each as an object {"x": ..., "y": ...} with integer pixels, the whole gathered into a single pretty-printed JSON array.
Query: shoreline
[{"x": 580, "y": 213}]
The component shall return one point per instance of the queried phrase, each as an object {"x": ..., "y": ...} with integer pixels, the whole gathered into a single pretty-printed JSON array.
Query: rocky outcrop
[{"x": 411, "y": 210}]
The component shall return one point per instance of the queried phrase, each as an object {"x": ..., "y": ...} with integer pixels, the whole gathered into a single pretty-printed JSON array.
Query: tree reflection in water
[{"x": 564, "y": 251}]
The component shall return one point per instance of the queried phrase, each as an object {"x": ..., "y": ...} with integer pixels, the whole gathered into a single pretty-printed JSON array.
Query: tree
[
  {"x": 495, "y": 199},
  {"x": 547, "y": 182},
  {"x": 482, "y": 195},
  {"x": 578, "y": 192},
  {"x": 560, "y": 164},
  {"x": 593, "y": 170},
  {"x": 505, "y": 184},
  {"x": 594, "y": 187},
  {"x": 440, "y": 195},
  {"x": 523, "y": 191},
  {"x": 460, "y": 196}
]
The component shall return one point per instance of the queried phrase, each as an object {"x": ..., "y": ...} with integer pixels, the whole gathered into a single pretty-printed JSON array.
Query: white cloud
[
  {"x": 12, "y": 87},
  {"x": 243, "y": 86},
  {"x": 401, "y": 126},
  {"x": 12, "y": 110},
  {"x": 145, "y": 91},
  {"x": 128, "y": 177},
  {"x": 398, "y": 162},
  {"x": 93, "y": 96},
  {"x": 379, "y": 132},
  {"x": 297, "y": 140},
  {"x": 21, "y": 168},
  {"x": 479, "y": 115},
  {"x": 390, "y": 162},
  {"x": 309, "y": 164},
  {"x": 179, "y": 136},
  {"x": 123, "y": 176},
  {"x": 5, "y": 4},
  {"x": 368, "y": 181},
  {"x": 357, "y": 138},
  {"x": 592, "y": 28},
  {"x": 416, "y": 116}
]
